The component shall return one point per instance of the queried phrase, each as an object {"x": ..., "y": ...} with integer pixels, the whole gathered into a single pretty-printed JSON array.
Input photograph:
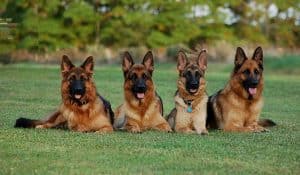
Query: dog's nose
[
  {"x": 254, "y": 82},
  {"x": 78, "y": 87},
  {"x": 78, "y": 90},
  {"x": 194, "y": 84},
  {"x": 141, "y": 87}
]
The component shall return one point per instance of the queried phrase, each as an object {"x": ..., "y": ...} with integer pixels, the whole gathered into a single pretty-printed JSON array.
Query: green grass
[
  {"x": 287, "y": 64},
  {"x": 34, "y": 90}
]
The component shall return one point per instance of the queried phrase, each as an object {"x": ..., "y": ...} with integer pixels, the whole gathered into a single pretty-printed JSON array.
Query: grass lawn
[{"x": 34, "y": 90}]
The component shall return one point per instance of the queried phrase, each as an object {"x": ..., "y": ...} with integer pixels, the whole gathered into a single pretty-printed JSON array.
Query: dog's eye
[
  {"x": 246, "y": 72},
  {"x": 71, "y": 78},
  {"x": 197, "y": 74},
  {"x": 256, "y": 71},
  {"x": 133, "y": 76},
  {"x": 83, "y": 78},
  {"x": 144, "y": 76},
  {"x": 189, "y": 73}
]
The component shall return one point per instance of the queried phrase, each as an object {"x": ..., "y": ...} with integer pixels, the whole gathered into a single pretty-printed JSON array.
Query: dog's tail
[
  {"x": 31, "y": 123},
  {"x": 27, "y": 123},
  {"x": 266, "y": 123}
]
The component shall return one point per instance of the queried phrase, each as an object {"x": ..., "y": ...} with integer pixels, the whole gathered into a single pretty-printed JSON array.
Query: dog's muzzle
[
  {"x": 250, "y": 85},
  {"x": 139, "y": 88},
  {"x": 77, "y": 89},
  {"x": 192, "y": 86}
]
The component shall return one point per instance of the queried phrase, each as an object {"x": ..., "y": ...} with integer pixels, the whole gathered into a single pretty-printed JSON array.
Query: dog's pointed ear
[
  {"x": 148, "y": 62},
  {"x": 181, "y": 61},
  {"x": 66, "y": 64},
  {"x": 258, "y": 56},
  {"x": 127, "y": 62},
  {"x": 240, "y": 58},
  {"x": 88, "y": 65},
  {"x": 202, "y": 60}
]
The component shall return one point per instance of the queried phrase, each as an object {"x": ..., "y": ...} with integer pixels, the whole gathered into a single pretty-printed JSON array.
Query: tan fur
[
  {"x": 90, "y": 116},
  {"x": 137, "y": 115},
  {"x": 235, "y": 113},
  {"x": 181, "y": 120},
  {"x": 191, "y": 122},
  {"x": 232, "y": 108},
  {"x": 137, "y": 121}
]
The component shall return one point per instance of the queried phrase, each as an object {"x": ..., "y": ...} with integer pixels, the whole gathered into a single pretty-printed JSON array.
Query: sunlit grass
[{"x": 34, "y": 91}]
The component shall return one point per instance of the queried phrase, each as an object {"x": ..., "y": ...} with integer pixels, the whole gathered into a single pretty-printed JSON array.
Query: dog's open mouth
[
  {"x": 140, "y": 95},
  {"x": 252, "y": 91}
]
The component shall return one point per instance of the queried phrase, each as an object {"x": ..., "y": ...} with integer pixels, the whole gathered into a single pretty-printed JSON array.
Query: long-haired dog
[
  {"x": 189, "y": 114},
  {"x": 142, "y": 108},
  {"x": 237, "y": 107},
  {"x": 82, "y": 109}
]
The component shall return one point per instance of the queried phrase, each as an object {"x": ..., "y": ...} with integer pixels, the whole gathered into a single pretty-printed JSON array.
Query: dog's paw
[
  {"x": 163, "y": 127},
  {"x": 40, "y": 126},
  {"x": 167, "y": 129},
  {"x": 258, "y": 129},
  {"x": 185, "y": 130},
  {"x": 135, "y": 130},
  {"x": 202, "y": 132},
  {"x": 105, "y": 130},
  {"x": 261, "y": 129}
]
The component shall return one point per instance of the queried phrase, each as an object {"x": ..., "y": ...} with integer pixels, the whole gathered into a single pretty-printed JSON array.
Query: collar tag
[{"x": 189, "y": 109}]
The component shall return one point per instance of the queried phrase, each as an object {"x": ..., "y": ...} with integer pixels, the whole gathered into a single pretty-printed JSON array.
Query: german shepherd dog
[
  {"x": 143, "y": 108},
  {"x": 82, "y": 109},
  {"x": 189, "y": 114},
  {"x": 237, "y": 107}
]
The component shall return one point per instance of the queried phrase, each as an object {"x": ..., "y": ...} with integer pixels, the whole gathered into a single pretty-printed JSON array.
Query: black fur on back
[
  {"x": 108, "y": 109},
  {"x": 211, "y": 122},
  {"x": 161, "y": 102}
]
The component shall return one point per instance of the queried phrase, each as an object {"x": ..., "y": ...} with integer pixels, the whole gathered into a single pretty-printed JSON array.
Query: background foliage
[{"x": 46, "y": 26}]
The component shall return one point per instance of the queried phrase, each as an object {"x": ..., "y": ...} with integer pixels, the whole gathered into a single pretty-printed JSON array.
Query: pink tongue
[
  {"x": 140, "y": 95},
  {"x": 252, "y": 91},
  {"x": 77, "y": 96}
]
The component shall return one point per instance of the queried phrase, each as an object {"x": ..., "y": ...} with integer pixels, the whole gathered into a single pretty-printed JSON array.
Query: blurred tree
[
  {"x": 79, "y": 18},
  {"x": 45, "y": 26}
]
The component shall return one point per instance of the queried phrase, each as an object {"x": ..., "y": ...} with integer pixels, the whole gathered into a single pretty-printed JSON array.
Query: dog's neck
[{"x": 191, "y": 100}]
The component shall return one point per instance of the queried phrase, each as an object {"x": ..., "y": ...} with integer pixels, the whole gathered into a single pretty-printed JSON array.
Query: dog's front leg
[
  {"x": 160, "y": 124},
  {"x": 199, "y": 122},
  {"x": 54, "y": 120},
  {"x": 132, "y": 125}
]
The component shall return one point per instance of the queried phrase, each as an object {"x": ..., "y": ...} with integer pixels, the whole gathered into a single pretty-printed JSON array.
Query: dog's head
[
  {"x": 249, "y": 71},
  {"x": 138, "y": 77},
  {"x": 77, "y": 83},
  {"x": 191, "y": 72}
]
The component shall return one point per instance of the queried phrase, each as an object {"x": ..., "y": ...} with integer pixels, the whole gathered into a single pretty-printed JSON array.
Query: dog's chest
[
  {"x": 78, "y": 119},
  {"x": 141, "y": 115},
  {"x": 244, "y": 109}
]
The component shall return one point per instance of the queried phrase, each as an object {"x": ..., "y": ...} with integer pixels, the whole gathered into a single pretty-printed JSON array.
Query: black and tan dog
[
  {"x": 142, "y": 108},
  {"x": 237, "y": 107},
  {"x": 189, "y": 114},
  {"x": 82, "y": 109}
]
